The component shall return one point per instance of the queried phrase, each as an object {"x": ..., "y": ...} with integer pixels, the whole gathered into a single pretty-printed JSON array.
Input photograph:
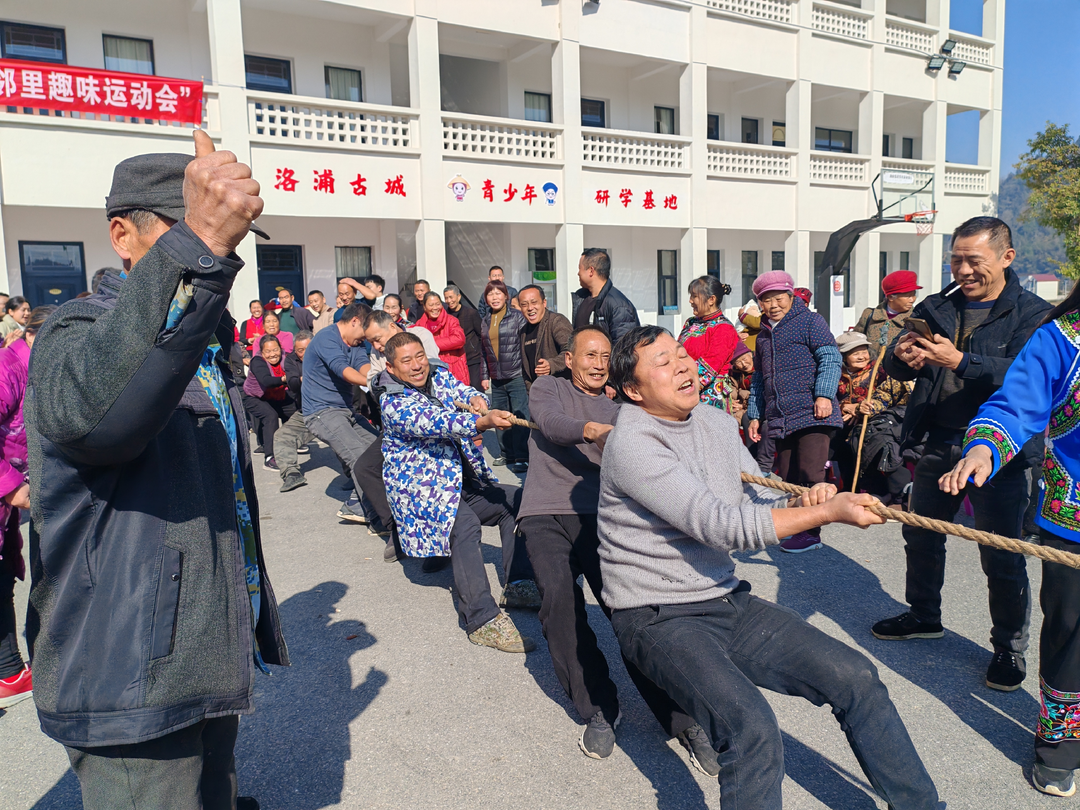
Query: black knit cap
[{"x": 152, "y": 183}]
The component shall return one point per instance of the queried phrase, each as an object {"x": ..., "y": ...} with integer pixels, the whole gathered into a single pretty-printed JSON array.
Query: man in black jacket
[
  {"x": 598, "y": 302},
  {"x": 294, "y": 432},
  {"x": 150, "y": 607},
  {"x": 979, "y": 325},
  {"x": 470, "y": 322}
]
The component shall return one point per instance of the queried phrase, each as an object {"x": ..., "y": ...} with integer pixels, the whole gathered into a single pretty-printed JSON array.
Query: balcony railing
[
  {"x": 772, "y": 10},
  {"x": 841, "y": 21},
  {"x": 910, "y": 36},
  {"x": 322, "y": 122},
  {"x": 752, "y": 162},
  {"x": 967, "y": 180},
  {"x": 832, "y": 169},
  {"x": 613, "y": 149},
  {"x": 475, "y": 136},
  {"x": 972, "y": 51}
]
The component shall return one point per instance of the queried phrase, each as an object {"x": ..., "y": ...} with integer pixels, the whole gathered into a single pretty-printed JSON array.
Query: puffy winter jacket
[
  {"x": 508, "y": 364},
  {"x": 613, "y": 311}
]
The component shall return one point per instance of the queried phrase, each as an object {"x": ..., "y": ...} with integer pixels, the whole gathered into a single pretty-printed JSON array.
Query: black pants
[
  {"x": 367, "y": 475},
  {"x": 1057, "y": 741},
  {"x": 887, "y": 486},
  {"x": 801, "y": 457},
  {"x": 494, "y": 505},
  {"x": 11, "y": 663},
  {"x": 561, "y": 549},
  {"x": 270, "y": 415},
  {"x": 764, "y": 451},
  {"x": 999, "y": 506},
  {"x": 714, "y": 657},
  {"x": 190, "y": 769},
  {"x": 476, "y": 376}
]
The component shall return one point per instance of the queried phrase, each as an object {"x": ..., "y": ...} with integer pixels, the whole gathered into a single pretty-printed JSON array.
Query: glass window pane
[
  {"x": 883, "y": 264},
  {"x": 821, "y": 139},
  {"x": 779, "y": 133},
  {"x": 34, "y": 43},
  {"x": 42, "y": 256},
  {"x": 352, "y": 262},
  {"x": 273, "y": 75},
  {"x": 592, "y": 113},
  {"x": 749, "y": 273},
  {"x": 841, "y": 141},
  {"x": 885, "y": 146},
  {"x": 664, "y": 120},
  {"x": 905, "y": 260},
  {"x": 908, "y": 148},
  {"x": 778, "y": 259},
  {"x": 538, "y": 107},
  {"x": 750, "y": 130},
  {"x": 343, "y": 84},
  {"x": 129, "y": 55},
  {"x": 712, "y": 263}
]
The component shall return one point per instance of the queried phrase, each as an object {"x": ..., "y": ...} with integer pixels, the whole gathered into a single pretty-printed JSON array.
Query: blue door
[{"x": 280, "y": 267}]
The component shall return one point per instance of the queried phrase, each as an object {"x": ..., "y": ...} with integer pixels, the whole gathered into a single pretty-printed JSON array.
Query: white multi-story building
[{"x": 435, "y": 138}]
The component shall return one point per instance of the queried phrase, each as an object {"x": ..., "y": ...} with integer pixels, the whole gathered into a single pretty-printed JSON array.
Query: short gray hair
[
  {"x": 452, "y": 288},
  {"x": 303, "y": 334}
]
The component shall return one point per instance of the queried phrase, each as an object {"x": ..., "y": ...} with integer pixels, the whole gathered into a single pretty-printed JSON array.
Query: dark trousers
[
  {"x": 494, "y": 505},
  {"x": 999, "y": 506},
  {"x": 511, "y": 395},
  {"x": 801, "y": 457},
  {"x": 1057, "y": 742},
  {"x": 711, "y": 657},
  {"x": 887, "y": 486},
  {"x": 367, "y": 475},
  {"x": 270, "y": 414},
  {"x": 561, "y": 549},
  {"x": 190, "y": 769},
  {"x": 764, "y": 451},
  {"x": 476, "y": 376},
  {"x": 11, "y": 663}
]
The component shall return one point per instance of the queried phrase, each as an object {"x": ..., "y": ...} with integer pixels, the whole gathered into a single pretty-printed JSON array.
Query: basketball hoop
[{"x": 924, "y": 221}]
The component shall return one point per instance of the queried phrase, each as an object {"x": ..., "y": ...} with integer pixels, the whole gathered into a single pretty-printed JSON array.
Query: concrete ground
[{"x": 387, "y": 705}]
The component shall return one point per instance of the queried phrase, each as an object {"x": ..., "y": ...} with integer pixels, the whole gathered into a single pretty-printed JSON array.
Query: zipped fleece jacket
[{"x": 139, "y": 621}]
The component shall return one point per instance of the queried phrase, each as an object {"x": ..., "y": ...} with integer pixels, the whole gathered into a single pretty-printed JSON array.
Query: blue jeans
[
  {"x": 511, "y": 395},
  {"x": 711, "y": 657},
  {"x": 999, "y": 506}
]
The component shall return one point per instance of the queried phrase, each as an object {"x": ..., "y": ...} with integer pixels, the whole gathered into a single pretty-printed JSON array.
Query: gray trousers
[
  {"x": 190, "y": 769},
  {"x": 288, "y": 437},
  {"x": 346, "y": 435}
]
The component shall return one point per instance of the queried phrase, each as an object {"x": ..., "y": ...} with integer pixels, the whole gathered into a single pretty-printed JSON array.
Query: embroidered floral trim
[
  {"x": 1059, "y": 714},
  {"x": 1069, "y": 326},
  {"x": 1060, "y": 505},
  {"x": 1065, "y": 418},
  {"x": 994, "y": 434}
]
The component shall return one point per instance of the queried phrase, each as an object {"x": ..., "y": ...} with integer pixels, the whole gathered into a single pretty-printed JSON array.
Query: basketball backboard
[{"x": 900, "y": 192}]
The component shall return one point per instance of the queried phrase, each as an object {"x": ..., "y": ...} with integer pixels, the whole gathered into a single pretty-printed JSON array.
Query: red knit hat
[{"x": 900, "y": 282}]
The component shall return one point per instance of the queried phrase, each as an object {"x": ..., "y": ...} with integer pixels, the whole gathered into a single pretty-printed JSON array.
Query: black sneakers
[
  {"x": 905, "y": 626},
  {"x": 351, "y": 510},
  {"x": 702, "y": 754},
  {"x": 598, "y": 739},
  {"x": 293, "y": 480},
  {"x": 1052, "y": 781},
  {"x": 1006, "y": 671}
]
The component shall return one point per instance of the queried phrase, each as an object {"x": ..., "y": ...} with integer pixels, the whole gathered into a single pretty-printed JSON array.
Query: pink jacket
[{"x": 13, "y": 372}]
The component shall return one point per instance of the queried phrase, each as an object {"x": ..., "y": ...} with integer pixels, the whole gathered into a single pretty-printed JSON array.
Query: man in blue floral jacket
[{"x": 441, "y": 490}]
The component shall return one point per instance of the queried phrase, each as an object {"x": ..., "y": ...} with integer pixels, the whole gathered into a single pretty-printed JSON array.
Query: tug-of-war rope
[{"x": 910, "y": 518}]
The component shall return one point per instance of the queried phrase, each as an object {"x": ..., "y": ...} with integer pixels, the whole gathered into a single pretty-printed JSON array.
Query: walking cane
[{"x": 866, "y": 416}]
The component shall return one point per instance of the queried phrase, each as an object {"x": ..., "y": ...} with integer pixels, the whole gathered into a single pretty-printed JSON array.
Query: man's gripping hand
[{"x": 221, "y": 197}]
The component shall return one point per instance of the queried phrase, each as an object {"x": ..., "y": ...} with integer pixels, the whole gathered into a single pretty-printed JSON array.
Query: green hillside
[{"x": 1036, "y": 245}]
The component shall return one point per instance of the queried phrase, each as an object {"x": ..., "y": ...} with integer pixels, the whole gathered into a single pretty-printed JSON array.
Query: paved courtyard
[{"x": 387, "y": 705}]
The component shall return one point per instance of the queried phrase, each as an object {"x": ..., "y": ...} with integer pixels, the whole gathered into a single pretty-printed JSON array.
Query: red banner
[{"x": 45, "y": 86}]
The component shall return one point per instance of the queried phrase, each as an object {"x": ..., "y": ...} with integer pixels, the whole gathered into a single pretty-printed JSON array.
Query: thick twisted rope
[{"x": 911, "y": 519}]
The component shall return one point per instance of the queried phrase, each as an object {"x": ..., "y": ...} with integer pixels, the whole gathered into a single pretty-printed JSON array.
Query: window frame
[
  {"x": 718, "y": 119},
  {"x": 150, "y": 42},
  {"x": 657, "y": 109},
  {"x": 603, "y": 112},
  {"x": 326, "y": 82},
  {"x": 907, "y": 148},
  {"x": 371, "y": 261},
  {"x": 713, "y": 263},
  {"x": 24, "y": 243},
  {"x": 757, "y": 130},
  {"x": 546, "y": 96},
  {"x": 748, "y": 287},
  {"x": 663, "y": 307},
  {"x": 773, "y": 264},
  {"x": 775, "y": 126},
  {"x": 287, "y": 62},
  {"x": 883, "y": 264},
  {"x": 905, "y": 259},
  {"x": 851, "y": 138},
  {"x": 5, "y": 24}
]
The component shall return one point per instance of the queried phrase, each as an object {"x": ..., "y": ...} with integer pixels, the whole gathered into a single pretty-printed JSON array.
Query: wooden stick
[
  {"x": 866, "y": 418},
  {"x": 911, "y": 519}
]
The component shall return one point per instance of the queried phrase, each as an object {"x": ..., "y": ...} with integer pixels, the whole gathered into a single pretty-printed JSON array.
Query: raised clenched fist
[{"x": 220, "y": 197}]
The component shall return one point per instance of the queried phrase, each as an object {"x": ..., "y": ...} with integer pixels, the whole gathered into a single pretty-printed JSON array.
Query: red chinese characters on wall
[
  {"x": 104, "y": 92},
  {"x": 286, "y": 180},
  {"x": 324, "y": 182}
]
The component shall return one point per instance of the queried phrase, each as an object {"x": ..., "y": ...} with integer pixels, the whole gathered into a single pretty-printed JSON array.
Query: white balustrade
[
  {"x": 972, "y": 52},
  {"x": 750, "y": 162},
  {"x": 828, "y": 168},
  {"x": 611, "y": 149},
  {"x": 899, "y": 35},
  {"x": 966, "y": 180},
  {"x": 773, "y": 10},
  {"x": 474, "y": 136},
  {"x": 326, "y": 123},
  {"x": 841, "y": 23}
]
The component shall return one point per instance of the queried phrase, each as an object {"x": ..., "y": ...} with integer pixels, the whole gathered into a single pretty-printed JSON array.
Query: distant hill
[{"x": 1036, "y": 246}]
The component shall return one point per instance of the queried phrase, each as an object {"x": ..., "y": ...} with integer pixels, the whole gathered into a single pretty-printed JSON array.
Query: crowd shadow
[
  {"x": 829, "y": 783},
  {"x": 64, "y": 795},
  {"x": 952, "y": 669}
]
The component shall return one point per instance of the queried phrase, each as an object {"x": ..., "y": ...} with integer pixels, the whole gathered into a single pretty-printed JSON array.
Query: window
[
  {"x": 712, "y": 263},
  {"x": 667, "y": 275},
  {"x": 750, "y": 130},
  {"x": 542, "y": 272},
  {"x": 352, "y": 262},
  {"x": 908, "y": 149},
  {"x": 749, "y": 273},
  {"x": 832, "y": 140},
  {"x": 129, "y": 55},
  {"x": 885, "y": 145},
  {"x": 778, "y": 259},
  {"x": 883, "y": 264},
  {"x": 593, "y": 113},
  {"x": 343, "y": 84},
  {"x": 819, "y": 256},
  {"x": 34, "y": 42},
  {"x": 52, "y": 272},
  {"x": 538, "y": 107},
  {"x": 263, "y": 73},
  {"x": 779, "y": 133},
  {"x": 713, "y": 127},
  {"x": 664, "y": 120},
  {"x": 905, "y": 260}
]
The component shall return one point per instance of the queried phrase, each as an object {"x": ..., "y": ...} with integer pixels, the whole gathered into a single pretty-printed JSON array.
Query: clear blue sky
[{"x": 1042, "y": 75}]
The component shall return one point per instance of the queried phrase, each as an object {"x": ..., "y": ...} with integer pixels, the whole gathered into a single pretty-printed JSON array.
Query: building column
[
  {"x": 569, "y": 244},
  {"x": 566, "y": 111},
  {"x": 426, "y": 93},
  {"x": 866, "y": 291},
  {"x": 800, "y": 135},
  {"x": 798, "y": 258},
  {"x": 930, "y": 263}
]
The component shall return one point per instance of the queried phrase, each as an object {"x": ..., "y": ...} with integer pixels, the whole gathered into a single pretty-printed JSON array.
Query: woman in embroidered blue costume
[{"x": 1041, "y": 393}]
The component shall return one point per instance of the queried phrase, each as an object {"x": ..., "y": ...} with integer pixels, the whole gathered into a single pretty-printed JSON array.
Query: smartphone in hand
[{"x": 919, "y": 327}]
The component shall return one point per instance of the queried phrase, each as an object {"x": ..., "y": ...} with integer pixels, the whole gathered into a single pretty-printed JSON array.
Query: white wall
[
  {"x": 473, "y": 86},
  {"x": 634, "y": 260},
  {"x": 909, "y": 9},
  {"x": 34, "y": 224},
  {"x": 904, "y": 122},
  {"x": 839, "y": 112},
  {"x": 767, "y": 104},
  {"x": 630, "y": 102}
]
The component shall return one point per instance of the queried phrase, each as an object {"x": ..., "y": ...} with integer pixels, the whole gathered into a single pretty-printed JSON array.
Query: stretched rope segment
[
  {"x": 461, "y": 406},
  {"x": 911, "y": 519}
]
